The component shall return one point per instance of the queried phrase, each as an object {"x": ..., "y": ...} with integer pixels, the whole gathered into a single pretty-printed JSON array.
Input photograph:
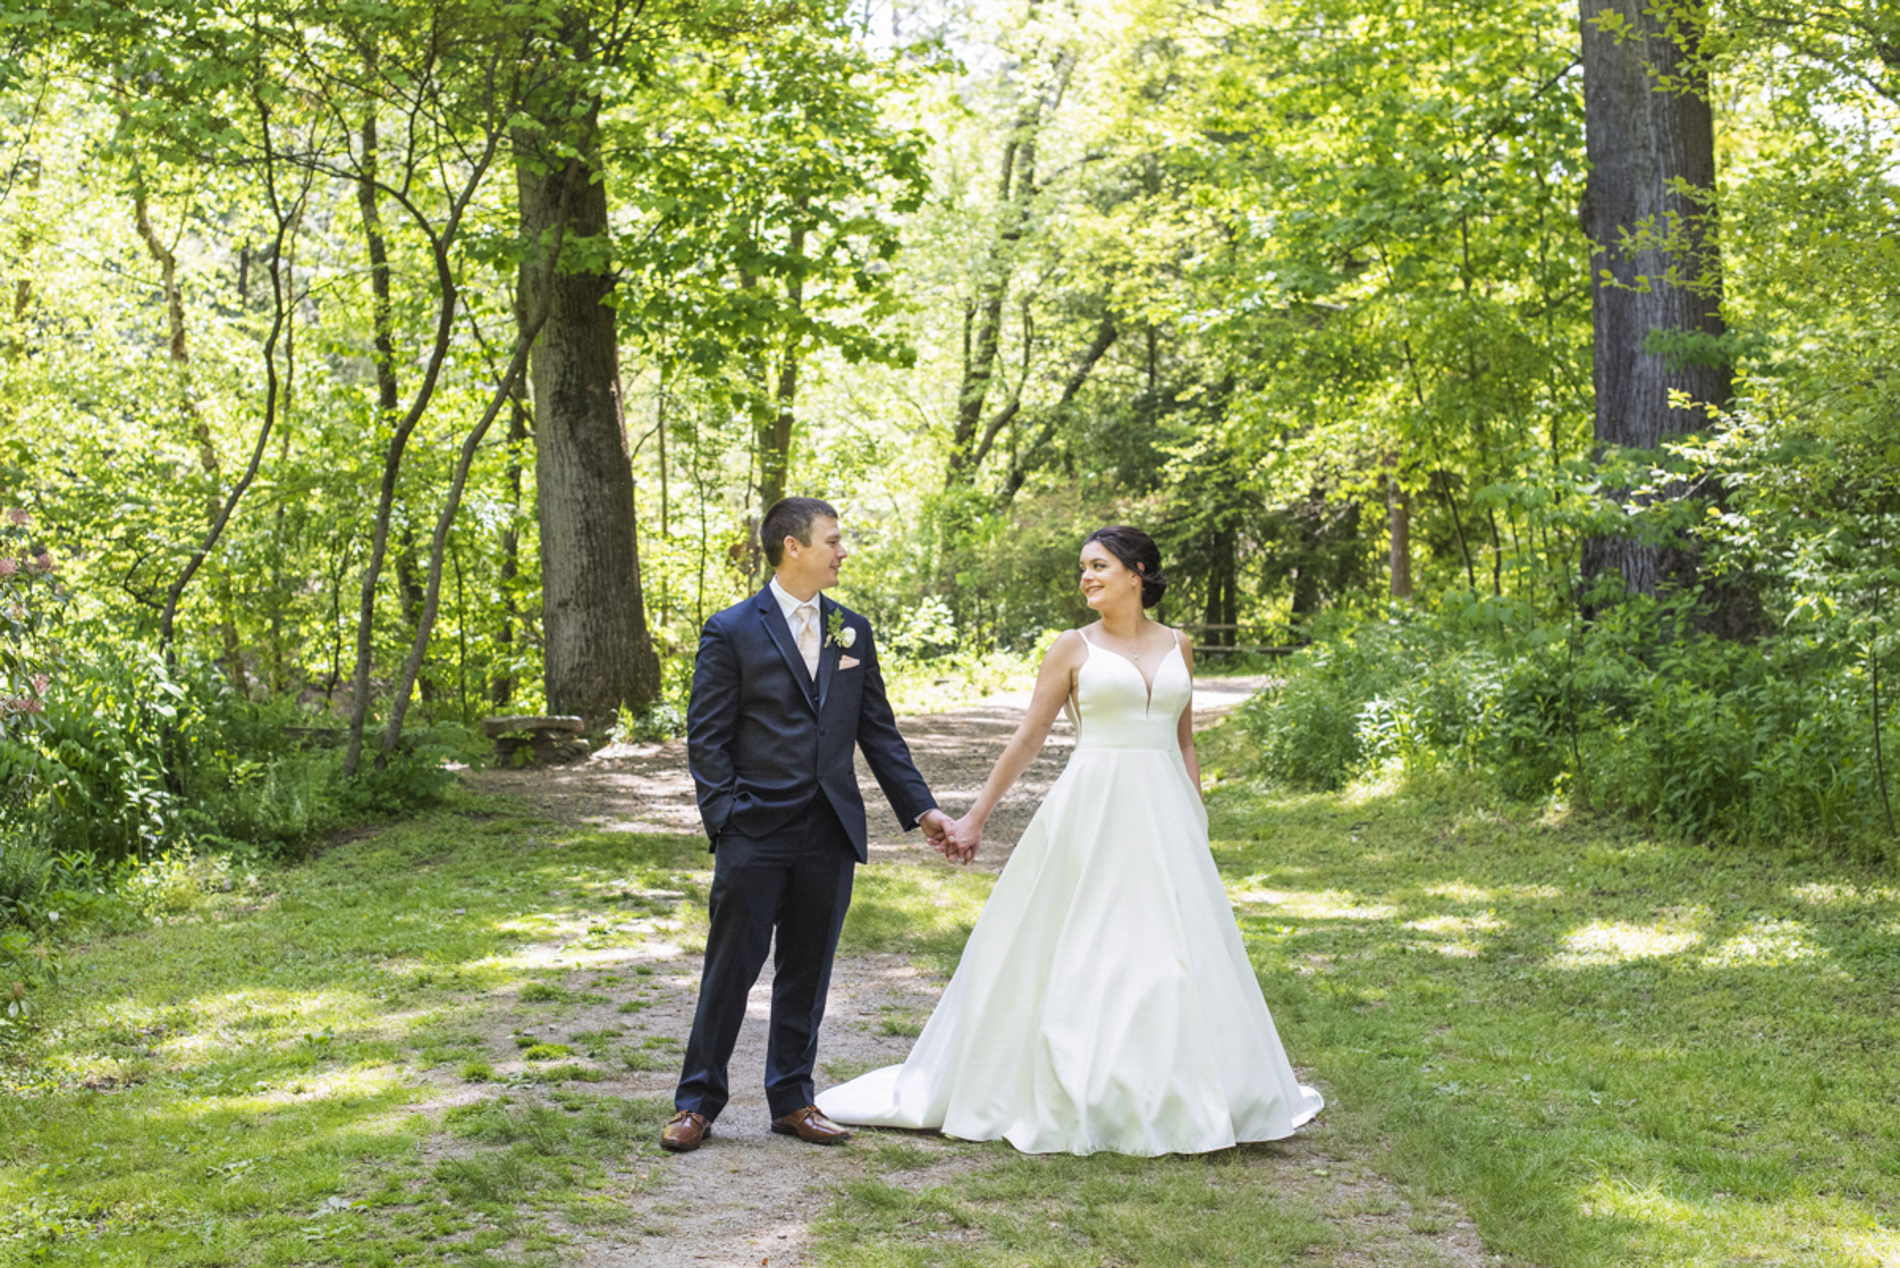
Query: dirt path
[
  {"x": 646, "y": 788},
  {"x": 749, "y": 1197}
]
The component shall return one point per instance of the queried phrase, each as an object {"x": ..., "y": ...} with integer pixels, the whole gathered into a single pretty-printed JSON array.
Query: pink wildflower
[
  {"x": 8, "y": 566},
  {"x": 44, "y": 563},
  {"x": 35, "y": 706},
  {"x": 19, "y": 517},
  {"x": 41, "y": 682}
]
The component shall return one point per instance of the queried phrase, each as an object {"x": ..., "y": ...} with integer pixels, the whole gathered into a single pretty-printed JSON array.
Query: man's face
[{"x": 814, "y": 567}]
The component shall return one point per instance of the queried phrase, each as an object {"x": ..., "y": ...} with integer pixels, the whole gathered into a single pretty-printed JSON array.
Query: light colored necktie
[{"x": 808, "y": 637}]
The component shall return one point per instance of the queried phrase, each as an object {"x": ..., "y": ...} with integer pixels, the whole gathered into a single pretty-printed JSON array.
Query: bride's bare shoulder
[{"x": 1068, "y": 648}]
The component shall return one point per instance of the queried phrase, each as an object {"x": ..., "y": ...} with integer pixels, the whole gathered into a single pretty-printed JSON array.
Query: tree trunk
[
  {"x": 1223, "y": 591},
  {"x": 383, "y": 339},
  {"x": 1105, "y": 336},
  {"x": 775, "y": 436},
  {"x": 598, "y": 652},
  {"x": 208, "y": 462},
  {"x": 1655, "y": 266},
  {"x": 503, "y": 689},
  {"x": 1398, "y": 518},
  {"x": 1306, "y": 575},
  {"x": 438, "y": 548},
  {"x": 983, "y": 319},
  {"x": 448, "y": 302}
]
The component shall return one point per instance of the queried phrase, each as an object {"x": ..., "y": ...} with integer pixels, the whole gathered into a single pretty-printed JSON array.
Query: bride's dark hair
[{"x": 1139, "y": 554}]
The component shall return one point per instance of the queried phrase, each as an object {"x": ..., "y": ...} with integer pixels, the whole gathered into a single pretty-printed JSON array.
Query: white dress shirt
[{"x": 807, "y": 633}]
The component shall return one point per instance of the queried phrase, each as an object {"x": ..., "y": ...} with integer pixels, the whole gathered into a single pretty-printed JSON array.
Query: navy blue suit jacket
[{"x": 764, "y": 741}]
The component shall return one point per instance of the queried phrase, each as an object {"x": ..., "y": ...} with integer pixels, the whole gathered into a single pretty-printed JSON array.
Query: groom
[{"x": 785, "y": 687}]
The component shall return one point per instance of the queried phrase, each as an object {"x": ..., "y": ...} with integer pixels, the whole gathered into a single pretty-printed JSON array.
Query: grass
[
  {"x": 1602, "y": 1047},
  {"x": 956, "y": 680},
  {"x": 256, "y": 1081},
  {"x": 1605, "y": 1047},
  {"x": 923, "y": 911},
  {"x": 1609, "y": 1048},
  {"x": 1051, "y": 1212}
]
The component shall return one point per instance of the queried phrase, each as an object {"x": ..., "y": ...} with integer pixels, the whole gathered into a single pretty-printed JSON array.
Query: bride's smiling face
[{"x": 1106, "y": 581}]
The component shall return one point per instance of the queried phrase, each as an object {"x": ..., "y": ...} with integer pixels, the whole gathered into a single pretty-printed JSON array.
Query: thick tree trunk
[
  {"x": 598, "y": 652},
  {"x": 1655, "y": 266}
]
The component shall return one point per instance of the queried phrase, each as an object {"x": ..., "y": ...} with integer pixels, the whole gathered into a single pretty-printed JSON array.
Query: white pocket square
[{"x": 848, "y": 662}]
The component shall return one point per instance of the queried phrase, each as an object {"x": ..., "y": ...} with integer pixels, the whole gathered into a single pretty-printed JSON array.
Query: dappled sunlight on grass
[
  {"x": 1843, "y": 894},
  {"x": 1723, "y": 1229},
  {"x": 1463, "y": 935},
  {"x": 546, "y": 958},
  {"x": 1606, "y": 942},
  {"x": 242, "y": 1086},
  {"x": 920, "y": 910},
  {"x": 1326, "y": 905},
  {"x": 1765, "y": 942},
  {"x": 1610, "y": 1048},
  {"x": 1459, "y": 892}
]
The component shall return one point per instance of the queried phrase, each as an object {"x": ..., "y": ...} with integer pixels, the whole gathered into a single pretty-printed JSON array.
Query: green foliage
[
  {"x": 30, "y": 603},
  {"x": 25, "y": 871},
  {"x": 1634, "y": 713},
  {"x": 661, "y": 720},
  {"x": 29, "y": 965}
]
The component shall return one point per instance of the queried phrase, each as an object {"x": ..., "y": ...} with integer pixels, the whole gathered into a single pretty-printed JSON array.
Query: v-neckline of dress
[{"x": 1174, "y": 646}]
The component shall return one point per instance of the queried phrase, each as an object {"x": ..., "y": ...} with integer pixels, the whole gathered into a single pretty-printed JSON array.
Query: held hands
[
  {"x": 966, "y": 834},
  {"x": 936, "y": 826},
  {"x": 956, "y": 841}
]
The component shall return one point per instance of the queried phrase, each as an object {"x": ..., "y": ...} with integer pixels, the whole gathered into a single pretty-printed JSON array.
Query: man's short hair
[{"x": 790, "y": 517}]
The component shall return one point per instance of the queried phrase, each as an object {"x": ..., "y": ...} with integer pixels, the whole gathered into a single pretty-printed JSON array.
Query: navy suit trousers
[{"x": 796, "y": 884}]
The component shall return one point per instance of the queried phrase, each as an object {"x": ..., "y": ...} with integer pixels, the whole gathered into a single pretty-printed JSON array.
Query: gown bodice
[{"x": 1114, "y": 707}]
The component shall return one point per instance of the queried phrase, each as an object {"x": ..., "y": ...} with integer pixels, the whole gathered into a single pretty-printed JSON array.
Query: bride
[{"x": 1104, "y": 1001}]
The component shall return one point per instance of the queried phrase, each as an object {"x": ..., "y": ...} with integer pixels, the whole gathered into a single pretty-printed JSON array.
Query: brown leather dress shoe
[
  {"x": 684, "y": 1132},
  {"x": 809, "y": 1124}
]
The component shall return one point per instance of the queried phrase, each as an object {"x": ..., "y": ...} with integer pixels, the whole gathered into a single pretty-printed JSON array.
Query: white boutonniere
[{"x": 842, "y": 635}]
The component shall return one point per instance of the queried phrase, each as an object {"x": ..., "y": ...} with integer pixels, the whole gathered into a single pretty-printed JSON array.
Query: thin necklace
[{"x": 1136, "y": 658}]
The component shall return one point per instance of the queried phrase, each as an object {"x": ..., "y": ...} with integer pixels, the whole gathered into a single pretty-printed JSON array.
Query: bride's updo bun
[{"x": 1139, "y": 554}]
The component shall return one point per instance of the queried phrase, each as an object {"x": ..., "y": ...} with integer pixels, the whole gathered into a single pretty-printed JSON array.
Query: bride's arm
[
  {"x": 1186, "y": 731},
  {"x": 1053, "y": 682}
]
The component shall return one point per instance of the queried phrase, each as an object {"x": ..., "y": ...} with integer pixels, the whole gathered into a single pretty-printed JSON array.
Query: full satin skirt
[{"x": 1104, "y": 1001}]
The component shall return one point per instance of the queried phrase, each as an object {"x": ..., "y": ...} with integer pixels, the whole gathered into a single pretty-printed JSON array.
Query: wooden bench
[{"x": 526, "y": 739}]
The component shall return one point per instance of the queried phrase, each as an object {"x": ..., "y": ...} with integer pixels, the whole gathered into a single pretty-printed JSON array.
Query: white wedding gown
[{"x": 1104, "y": 1001}]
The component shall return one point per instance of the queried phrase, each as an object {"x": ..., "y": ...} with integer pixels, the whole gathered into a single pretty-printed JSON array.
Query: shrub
[
  {"x": 29, "y": 965},
  {"x": 660, "y": 720},
  {"x": 1746, "y": 743},
  {"x": 25, "y": 871}
]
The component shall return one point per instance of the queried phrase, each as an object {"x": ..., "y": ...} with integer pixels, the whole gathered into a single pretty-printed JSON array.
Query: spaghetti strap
[{"x": 1072, "y": 706}]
